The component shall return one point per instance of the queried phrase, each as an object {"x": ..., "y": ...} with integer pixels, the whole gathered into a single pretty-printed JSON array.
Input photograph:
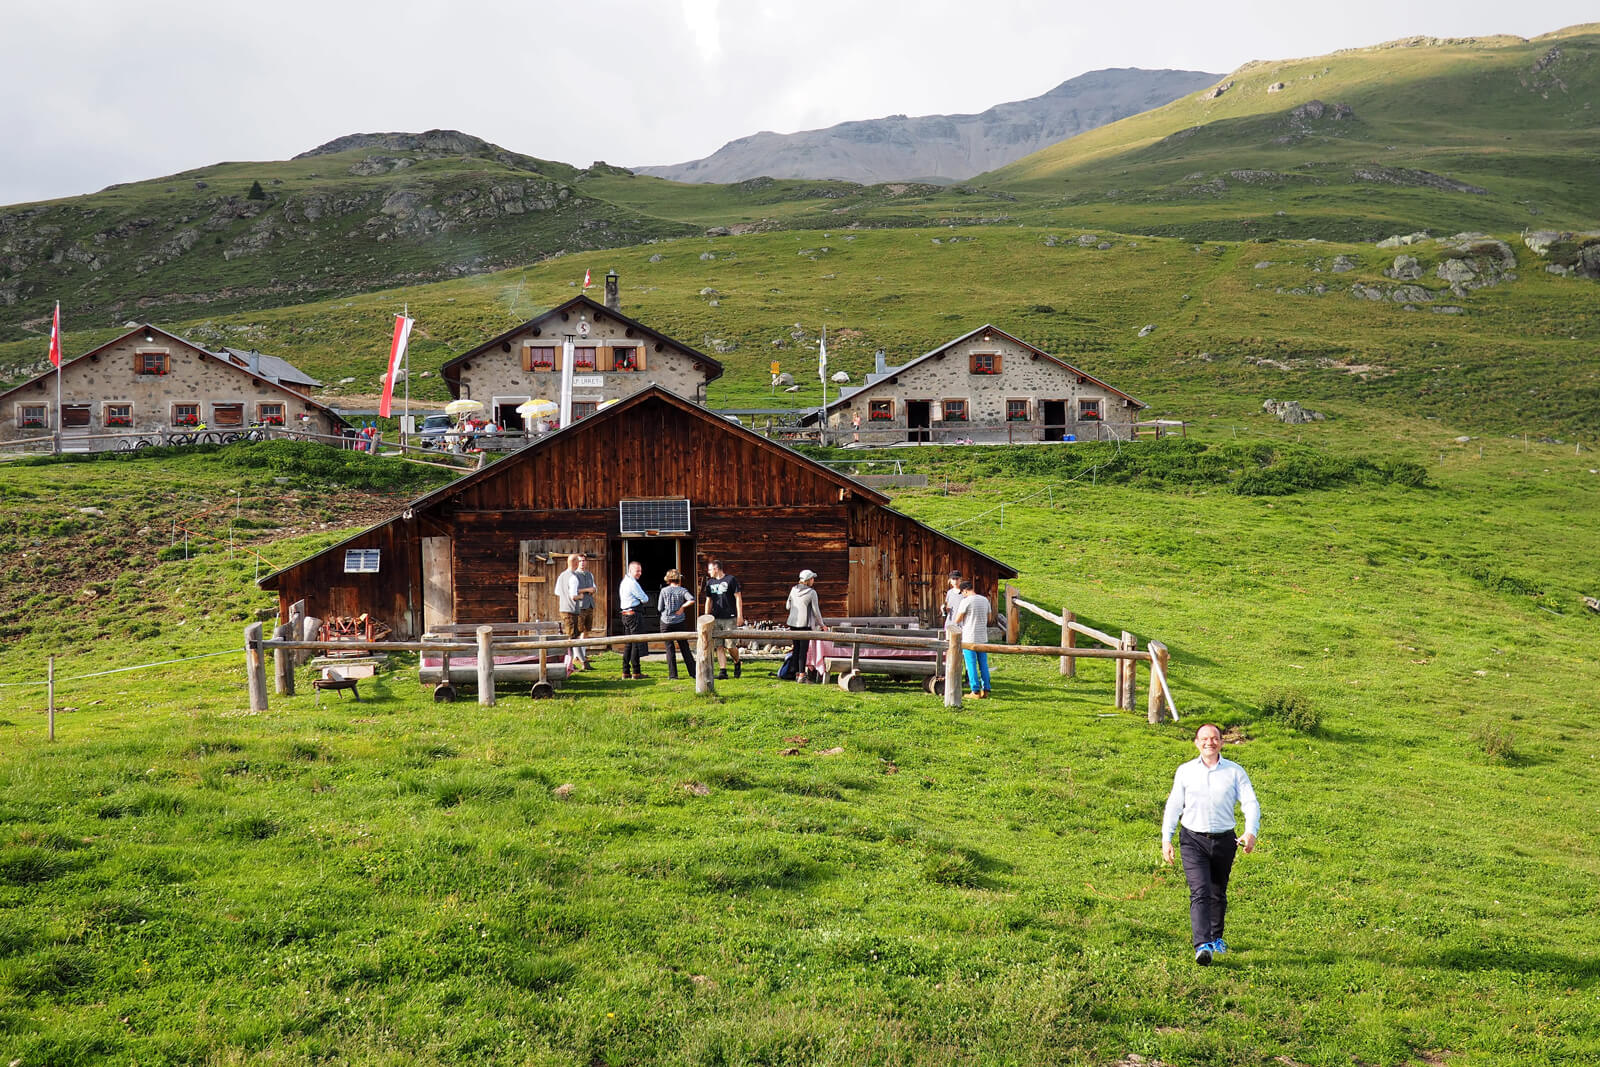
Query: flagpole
[
  {"x": 56, "y": 343},
  {"x": 822, "y": 372},
  {"x": 405, "y": 418}
]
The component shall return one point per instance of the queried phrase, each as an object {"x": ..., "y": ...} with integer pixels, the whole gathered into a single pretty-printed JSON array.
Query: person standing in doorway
[
  {"x": 725, "y": 604},
  {"x": 805, "y": 613},
  {"x": 671, "y": 605},
  {"x": 632, "y": 598},
  {"x": 575, "y": 600},
  {"x": 972, "y": 618},
  {"x": 1200, "y": 808}
]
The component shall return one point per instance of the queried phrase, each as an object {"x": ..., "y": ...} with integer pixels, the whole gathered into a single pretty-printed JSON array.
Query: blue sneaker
[
  {"x": 1218, "y": 947},
  {"x": 1202, "y": 955}
]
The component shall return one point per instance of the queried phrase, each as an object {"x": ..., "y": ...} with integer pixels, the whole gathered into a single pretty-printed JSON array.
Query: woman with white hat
[{"x": 805, "y": 613}]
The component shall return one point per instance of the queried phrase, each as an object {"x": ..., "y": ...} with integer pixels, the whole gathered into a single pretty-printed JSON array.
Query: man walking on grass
[{"x": 1204, "y": 793}]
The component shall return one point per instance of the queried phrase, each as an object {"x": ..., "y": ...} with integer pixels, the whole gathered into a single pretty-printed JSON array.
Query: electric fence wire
[{"x": 119, "y": 670}]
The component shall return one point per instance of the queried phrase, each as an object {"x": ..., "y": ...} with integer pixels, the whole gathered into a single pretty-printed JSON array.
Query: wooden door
[
  {"x": 538, "y": 565},
  {"x": 864, "y": 597},
  {"x": 438, "y": 583}
]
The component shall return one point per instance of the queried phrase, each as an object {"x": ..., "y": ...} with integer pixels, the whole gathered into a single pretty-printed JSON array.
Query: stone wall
[
  {"x": 1022, "y": 375},
  {"x": 193, "y": 377}
]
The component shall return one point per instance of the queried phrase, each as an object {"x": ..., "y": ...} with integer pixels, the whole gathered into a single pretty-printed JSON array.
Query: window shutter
[
  {"x": 561, "y": 353},
  {"x": 604, "y": 358},
  {"x": 972, "y": 363},
  {"x": 997, "y": 363},
  {"x": 638, "y": 356},
  {"x": 527, "y": 357}
]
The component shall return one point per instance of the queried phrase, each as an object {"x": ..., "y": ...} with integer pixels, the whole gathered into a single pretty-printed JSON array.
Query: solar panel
[{"x": 654, "y": 516}]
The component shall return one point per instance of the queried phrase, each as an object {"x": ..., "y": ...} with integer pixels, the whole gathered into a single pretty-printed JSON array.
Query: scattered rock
[
  {"x": 1411, "y": 294},
  {"x": 1344, "y": 264},
  {"x": 1051, "y": 241},
  {"x": 1405, "y": 269},
  {"x": 840, "y": 376},
  {"x": 1276, "y": 87},
  {"x": 704, "y": 256},
  {"x": 563, "y": 791},
  {"x": 655, "y": 258},
  {"x": 1400, "y": 241},
  {"x": 1264, "y": 264},
  {"x": 785, "y": 378},
  {"x": 1087, "y": 239},
  {"x": 1290, "y": 412},
  {"x": 1147, "y": 330},
  {"x": 792, "y": 389},
  {"x": 831, "y": 752},
  {"x": 93, "y": 513},
  {"x": 1216, "y": 91}
]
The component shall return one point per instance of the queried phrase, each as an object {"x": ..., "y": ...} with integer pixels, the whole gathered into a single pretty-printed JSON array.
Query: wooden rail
[{"x": 487, "y": 645}]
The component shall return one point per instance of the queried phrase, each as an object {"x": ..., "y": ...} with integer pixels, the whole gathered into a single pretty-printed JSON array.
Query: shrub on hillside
[
  {"x": 1497, "y": 744},
  {"x": 1292, "y": 708}
]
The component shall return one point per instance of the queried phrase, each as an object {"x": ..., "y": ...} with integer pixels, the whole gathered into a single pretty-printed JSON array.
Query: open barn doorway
[{"x": 657, "y": 556}]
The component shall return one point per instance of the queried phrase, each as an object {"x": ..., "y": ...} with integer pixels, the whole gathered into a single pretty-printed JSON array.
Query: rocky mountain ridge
[{"x": 944, "y": 148}]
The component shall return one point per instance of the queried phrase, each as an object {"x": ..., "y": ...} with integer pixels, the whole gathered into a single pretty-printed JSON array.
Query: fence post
[
  {"x": 282, "y": 664},
  {"x": 1013, "y": 618},
  {"x": 703, "y": 667},
  {"x": 50, "y": 683},
  {"x": 1069, "y": 640},
  {"x": 952, "y": 670},
  {"x": 485, "y": 666},
  {"x": 255, "y": 667},
  {"x": 1130, "y": 674},
  {"x": 297, "y": 625},
  {"x": 1158, "y": 676}
]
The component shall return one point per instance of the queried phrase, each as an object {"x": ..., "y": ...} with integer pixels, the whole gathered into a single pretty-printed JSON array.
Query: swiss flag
[
  {"x": 586, "y": 281},
  {"x": 55, "y": 337}
]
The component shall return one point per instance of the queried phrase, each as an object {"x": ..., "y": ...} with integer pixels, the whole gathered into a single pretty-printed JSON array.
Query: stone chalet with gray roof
[{"x": 987, "y": 387}]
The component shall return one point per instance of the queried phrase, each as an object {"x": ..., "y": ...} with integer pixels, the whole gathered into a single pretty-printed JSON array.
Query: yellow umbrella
[
  {"x": 608, "y": 403},
  {"x": 537, "y": 409},
  {"x": 463, "y": 407}
]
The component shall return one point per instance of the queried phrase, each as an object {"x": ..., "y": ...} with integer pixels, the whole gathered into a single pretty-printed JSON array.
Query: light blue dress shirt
[
  {"x": 632, "y": 593},
  {"x": 1203, "y": 799}
]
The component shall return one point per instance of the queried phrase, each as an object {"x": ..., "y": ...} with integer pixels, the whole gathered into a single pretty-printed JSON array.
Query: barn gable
[{"x": 489, "y": 545}]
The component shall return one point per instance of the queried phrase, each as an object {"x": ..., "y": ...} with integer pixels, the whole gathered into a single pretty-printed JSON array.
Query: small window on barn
[
  {"x": 1016, "y": 411},
  {"x": 361, "y": 560},
  {"x": 119, "y": 416},
  {"x": 186, "y": 414},
  {"x": 985, "y": 363},
  {"x": 152, "y": 363},
  {"x": 33, "y": 416},
  {"x": 880, "y": 411},
  {"x": 583, "y": 358},
  {"x": 955, "y": 411},
  {"x": 625, "y": 359},
  {"x": 1088, "y": 410},
  {"x": 539, "y": 357},
  {"x": 227, "y": 414}
]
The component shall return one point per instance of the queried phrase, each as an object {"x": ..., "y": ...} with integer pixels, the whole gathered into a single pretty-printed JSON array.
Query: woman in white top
[{"x": 973, "y": 619}]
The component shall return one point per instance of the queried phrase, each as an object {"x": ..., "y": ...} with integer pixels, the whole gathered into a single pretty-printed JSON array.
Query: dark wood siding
[{"x": 765, "y": 511}]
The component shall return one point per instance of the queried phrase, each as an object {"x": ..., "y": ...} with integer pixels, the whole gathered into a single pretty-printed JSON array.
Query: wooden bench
[
  {"x": 901, "y": 663},
  {"x": 449, "y": 670}
]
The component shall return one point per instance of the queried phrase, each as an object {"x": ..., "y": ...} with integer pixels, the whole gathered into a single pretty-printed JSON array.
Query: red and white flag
[
  {"x": 55, "y": 337},
  {"x": 586, "y": 281},
  {"x": 397, "y": 352}
]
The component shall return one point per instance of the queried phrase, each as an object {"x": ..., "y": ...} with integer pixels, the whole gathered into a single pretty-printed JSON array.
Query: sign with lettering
[{"x": 588, "y": 381}]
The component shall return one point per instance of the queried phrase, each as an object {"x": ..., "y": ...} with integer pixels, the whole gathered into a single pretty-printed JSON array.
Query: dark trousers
[
  {"x": 800, "y": 651},
  {"x": 1207, "y": 863},
  {"x": 683, "y": 646},
  {"x": 633, "y": 652}
]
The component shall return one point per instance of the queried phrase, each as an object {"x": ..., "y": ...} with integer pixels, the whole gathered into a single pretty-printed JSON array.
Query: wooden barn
[{"x": 653, "y": 478}]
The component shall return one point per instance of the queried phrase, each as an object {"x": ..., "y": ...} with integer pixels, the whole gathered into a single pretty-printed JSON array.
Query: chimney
[{"x": 613, "y": 301}]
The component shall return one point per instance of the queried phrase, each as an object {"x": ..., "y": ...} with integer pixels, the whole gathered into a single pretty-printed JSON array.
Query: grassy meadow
[{"x": 629, "y": 874}]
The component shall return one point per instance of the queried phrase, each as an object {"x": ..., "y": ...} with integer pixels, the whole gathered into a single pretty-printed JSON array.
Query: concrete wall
[
  {"x": 1023, "y": 375},
  {"x": 193, "y": 377},
  {"x": 499, "y": 371}
]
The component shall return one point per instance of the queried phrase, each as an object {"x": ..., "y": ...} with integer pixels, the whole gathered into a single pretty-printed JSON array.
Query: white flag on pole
[{"x": 822, "y": 357}]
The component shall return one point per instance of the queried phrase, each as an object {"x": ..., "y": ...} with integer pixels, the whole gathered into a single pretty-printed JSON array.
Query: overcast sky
[{"x": 104, "y": 91}]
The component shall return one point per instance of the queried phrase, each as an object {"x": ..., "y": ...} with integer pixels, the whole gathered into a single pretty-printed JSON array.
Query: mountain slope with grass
[{"x": 1490, "y": 133}]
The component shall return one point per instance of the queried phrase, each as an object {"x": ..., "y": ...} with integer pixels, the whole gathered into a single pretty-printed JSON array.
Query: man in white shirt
[
  {"x": 574, "y": 589},
  {"x": 1204, "y": 792},
  {"x": 632, "y": 597},
  {"x": 972, "y": 619}
]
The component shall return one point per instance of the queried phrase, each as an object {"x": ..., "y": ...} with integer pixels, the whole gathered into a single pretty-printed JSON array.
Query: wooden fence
[{"x": 486, "y": 645}]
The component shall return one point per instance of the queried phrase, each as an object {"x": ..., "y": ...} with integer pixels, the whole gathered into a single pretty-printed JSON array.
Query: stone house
[
  {"x": 614, "y": 356},
  {"x": 150, "y": 381},
  {"x": 985, "y": 386}
]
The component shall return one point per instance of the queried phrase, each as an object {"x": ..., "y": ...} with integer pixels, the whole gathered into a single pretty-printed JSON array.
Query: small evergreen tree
[{"x": 256, "y": 192}]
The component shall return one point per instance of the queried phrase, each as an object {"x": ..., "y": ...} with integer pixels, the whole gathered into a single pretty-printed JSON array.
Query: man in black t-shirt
[{"x": 725, "y": 604}]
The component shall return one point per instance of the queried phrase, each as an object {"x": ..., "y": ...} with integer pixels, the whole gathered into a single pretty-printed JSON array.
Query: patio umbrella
[
  {"x": 608, "y": 403},
  {"x": 537, "y": 409},
  {"x": 463, "y": 407}
]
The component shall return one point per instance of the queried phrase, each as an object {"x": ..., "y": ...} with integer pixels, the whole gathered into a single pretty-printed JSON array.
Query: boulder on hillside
[
  {"x": 1290, "y": 411},
  {"x": 1401, "y": 240},
  {"x": 1405, "y": 269},
  {"x": 1569, "y": 252}
]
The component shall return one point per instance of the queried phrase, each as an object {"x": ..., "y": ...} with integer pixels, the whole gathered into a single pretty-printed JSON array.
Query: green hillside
[
  {"x": 1233, "y": 323},
  {"x": 1480, "y": 134}
]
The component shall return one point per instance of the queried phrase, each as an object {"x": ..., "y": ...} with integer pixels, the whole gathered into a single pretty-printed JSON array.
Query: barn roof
[
  {"x": 876, "y": 379},
  {"x": 451, "y": 373},
  {"x": 619, "y": 412}
]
